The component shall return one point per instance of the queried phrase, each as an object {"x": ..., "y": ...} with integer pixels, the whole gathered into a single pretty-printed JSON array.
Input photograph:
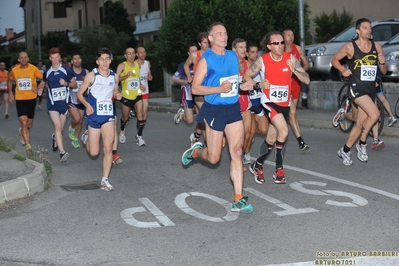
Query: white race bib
[
  {"x": 3, "y": 85},
  {"x": 133, "y": 84},
  {"x": 105, "y": 107},
  {"x": 59, "y": 94},
  {"x": 278, "y": 93},
  {"x": 78, "y": 87},
  {"x": 233, "y": 86},
  {"x": 368, "y": 73},
  {"x": 24, "y": 84}
]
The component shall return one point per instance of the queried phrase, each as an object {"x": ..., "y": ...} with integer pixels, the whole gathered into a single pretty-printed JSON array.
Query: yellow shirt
[
  {"x": 131, "y": 85},
  {"x": 25, "y": 79}
]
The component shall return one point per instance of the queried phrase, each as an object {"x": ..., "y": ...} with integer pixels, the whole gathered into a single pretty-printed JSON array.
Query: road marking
[
  {"x": 180, "y": 202},
  {"x": 289, "y": 210},
  {"x": 339, "y": 180}
]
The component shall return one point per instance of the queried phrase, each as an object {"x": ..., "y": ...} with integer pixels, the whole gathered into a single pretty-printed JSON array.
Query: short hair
[
  {"x": 250, "y": 45},
  {"x": 266, "y": 40},
  {"x": 191, "y": 45},
  {"x": 201, "y": 36},
  {"x": 236, "y": 41},
  {"x": 210, "y": 28},
  {"x": 75, "y": 53},
  {"x": 102, "y": 51},
  {"x": 54, "y": 51},
  {"x": 360, "y": 21}
]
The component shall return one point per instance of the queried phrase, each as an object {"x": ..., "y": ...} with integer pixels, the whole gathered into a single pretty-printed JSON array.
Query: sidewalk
[{"x": 20, "y": 179}]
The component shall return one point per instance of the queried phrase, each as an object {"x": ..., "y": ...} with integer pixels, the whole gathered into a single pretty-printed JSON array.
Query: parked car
[
  {"x": 391, "y": 51},
  {"x": 320, "y": 55}
]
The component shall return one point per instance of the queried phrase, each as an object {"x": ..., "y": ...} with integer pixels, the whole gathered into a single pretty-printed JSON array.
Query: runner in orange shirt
[{"x": 3, "y": 88}]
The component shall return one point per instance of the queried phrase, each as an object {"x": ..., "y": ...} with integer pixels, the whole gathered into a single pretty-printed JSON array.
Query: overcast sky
[{"x": 11, "y": 16}]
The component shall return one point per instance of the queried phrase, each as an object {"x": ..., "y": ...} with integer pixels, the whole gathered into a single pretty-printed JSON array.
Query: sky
[{"x": 11, "y": 16}]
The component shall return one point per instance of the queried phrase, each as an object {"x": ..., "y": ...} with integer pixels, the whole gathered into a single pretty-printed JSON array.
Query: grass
[{"x": 6, "y": 144}]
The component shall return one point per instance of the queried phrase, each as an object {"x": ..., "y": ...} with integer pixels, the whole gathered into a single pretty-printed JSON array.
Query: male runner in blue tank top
[{"x": 216, "y": 77}]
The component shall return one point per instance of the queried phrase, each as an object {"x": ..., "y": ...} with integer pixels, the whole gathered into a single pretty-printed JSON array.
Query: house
[{"x": 12, "y": 37}]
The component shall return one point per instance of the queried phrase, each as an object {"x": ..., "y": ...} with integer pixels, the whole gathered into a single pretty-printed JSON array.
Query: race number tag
[
  {"x": 3, "y": 85},
  {"x": 133, "y": 84},
  {"x": 278, "y": 93},
  {"x": 59, "y": 94},
  {"x": 143, "y": 79},
  {"x": 24, "y": 84},
  {"x": 105, "y": 107},
  {"x": 368, "y": 73},
  {"x": 233, "y": 86},
  {"x": 254, "y": 94},
  {"x": 78, "y": 87}
]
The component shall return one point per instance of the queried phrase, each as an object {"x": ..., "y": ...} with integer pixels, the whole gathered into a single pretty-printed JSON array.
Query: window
[
  {"x": 59, "y": 10},
  {"x": 154, "y": 5}
]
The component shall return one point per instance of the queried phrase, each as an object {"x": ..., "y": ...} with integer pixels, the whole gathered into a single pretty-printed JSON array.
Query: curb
[{"x": 25, "y": 185}]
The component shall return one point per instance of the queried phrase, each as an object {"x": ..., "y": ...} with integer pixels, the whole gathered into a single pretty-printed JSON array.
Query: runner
[
  {"x": 129, "y": 75},
  {"x": 26, "y": 91},
  {"x": 102, "y": 87},
  {"x": 216, "y": 78},
  {"x": 278, "y": 67},
  {"x": 186, "y": 111},
  {"x": 75, "y": 107},
  {"x": 59, "y": 81},
  {"x": 4, "y": 89}
]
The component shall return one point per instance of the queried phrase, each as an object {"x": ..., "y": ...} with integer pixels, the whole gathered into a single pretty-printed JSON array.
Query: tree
[
  {"x": 330, "y": 25},
  {"x": 117, "y": 18},
  {"x": 249, "y": 20},
  {"x": 92, "y": 38}
]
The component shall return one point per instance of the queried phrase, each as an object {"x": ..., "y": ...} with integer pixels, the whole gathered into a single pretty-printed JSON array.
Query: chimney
[{"x": 9, "y": 33}]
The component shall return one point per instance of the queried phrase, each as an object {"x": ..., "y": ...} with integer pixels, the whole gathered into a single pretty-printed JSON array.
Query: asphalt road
[{"x": 165, "y": 214}]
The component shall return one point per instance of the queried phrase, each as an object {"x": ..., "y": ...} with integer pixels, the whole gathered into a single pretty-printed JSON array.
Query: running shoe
[
  {"x": 378, "y": 144},
  {"x": 75, "y": 143},
  {"x": 346, "y": 159},
  {"x": 193, "y": 139},
  {"x": 139, "y": 141},
  {"x": 303, "y": 146},
  {"x": 392, "y": 120},
  {"x": 178, "y": 115},
  {"x": 187, "y": 156},
  {"x": 116, "y": 159},
  {"x": 279, "y": 176},
  {"x": 246, "y": 159},
  {"x": 122, "y": 138},
  {"x": 71, "y": 133},
  {"x": 64, "y": 156},
  {"x": 53, "y": 143},
  {"x": 106, "y": 186},
  {"x": 338, "y": 117},
  {"x": 132, "y": 114},
  {"x": 242, "y": 206},
  {"x": 362, "y": 152},
  {"x": 223, "y": 142},
  {"x": 21, "y": 139},
  {"x": 257, "y": 172},
  {"x": 6, "y": 115},
  {"x": 85, "y": 137}
]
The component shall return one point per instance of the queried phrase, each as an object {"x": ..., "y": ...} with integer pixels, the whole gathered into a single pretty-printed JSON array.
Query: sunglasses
[{"x": 277, "y": 43}]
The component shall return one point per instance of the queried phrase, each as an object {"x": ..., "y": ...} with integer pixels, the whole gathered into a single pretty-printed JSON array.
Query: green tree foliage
[
  {"x": 92, "y": 38},
  {"x": 156, "y": 68},
  {"x": 330, "y": 25},
  {"x": 117, "y": 18},
  {"x": 250, "y": 20}
]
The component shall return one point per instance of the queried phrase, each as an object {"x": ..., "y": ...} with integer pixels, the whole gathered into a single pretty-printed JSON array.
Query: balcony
[{"x": 148, "y": 22}]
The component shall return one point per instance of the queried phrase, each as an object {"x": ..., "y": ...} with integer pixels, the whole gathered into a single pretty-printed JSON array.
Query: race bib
[
  {"x": 143, "y": 79},
  {"x": 255, "y": 94},
  {"x": 78, "y": 87},
  {"x": 368, "y": 73},
  {"x": 278, "y": 93},
  {"x": 233, "y": 86},
  {"x": 105, "y": 107},
  {"x": 3, "y": 85},
  {"x": 24, "y": 84},
  {"x": 59, "y": 94},
  {"x": 133, "y": 84}
]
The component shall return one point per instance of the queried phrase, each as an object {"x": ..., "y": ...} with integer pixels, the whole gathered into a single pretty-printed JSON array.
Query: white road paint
[{"x": 339, "y": 180}]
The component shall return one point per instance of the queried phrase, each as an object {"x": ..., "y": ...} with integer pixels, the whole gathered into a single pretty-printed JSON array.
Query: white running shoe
[
  {"x": 346, "y": 159},
  {"x": 21, "y": 139},
  {"x": 106, "y": 186},
  {"x": 85, "y": 137},
  {"x": 338, "y": 117},
  {"x": 140, "y": 142},
  {"x": 362, "y": 152},
  {"x": 178, "y": 115},
  {"x": 392, "y": 120},
  {"x": 122, "y": 137},
  {"x": 193, "y": 139}
]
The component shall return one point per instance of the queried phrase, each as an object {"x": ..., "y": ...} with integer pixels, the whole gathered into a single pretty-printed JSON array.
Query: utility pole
[
  {"x": 301, "y": 25},
  {"x": 38, "y": 27}
]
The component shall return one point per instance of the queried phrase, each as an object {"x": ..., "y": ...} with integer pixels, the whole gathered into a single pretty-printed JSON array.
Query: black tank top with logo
[{"x": 364, "y": 69}]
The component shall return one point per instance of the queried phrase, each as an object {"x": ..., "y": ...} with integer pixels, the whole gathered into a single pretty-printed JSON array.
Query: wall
[{"x": 323, "y": 95}]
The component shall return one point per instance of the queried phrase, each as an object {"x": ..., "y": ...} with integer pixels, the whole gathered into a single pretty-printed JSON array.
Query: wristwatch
[{"x": 257, "y": 86}]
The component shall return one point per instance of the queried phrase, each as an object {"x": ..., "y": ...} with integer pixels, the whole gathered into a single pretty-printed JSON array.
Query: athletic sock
[{"x": 237, "y": 197}]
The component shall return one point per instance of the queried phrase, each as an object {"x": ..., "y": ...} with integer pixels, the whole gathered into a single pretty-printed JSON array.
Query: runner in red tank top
[
  {"x": 297, "y": 51},
  {"x": 278, "y": 67}
]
